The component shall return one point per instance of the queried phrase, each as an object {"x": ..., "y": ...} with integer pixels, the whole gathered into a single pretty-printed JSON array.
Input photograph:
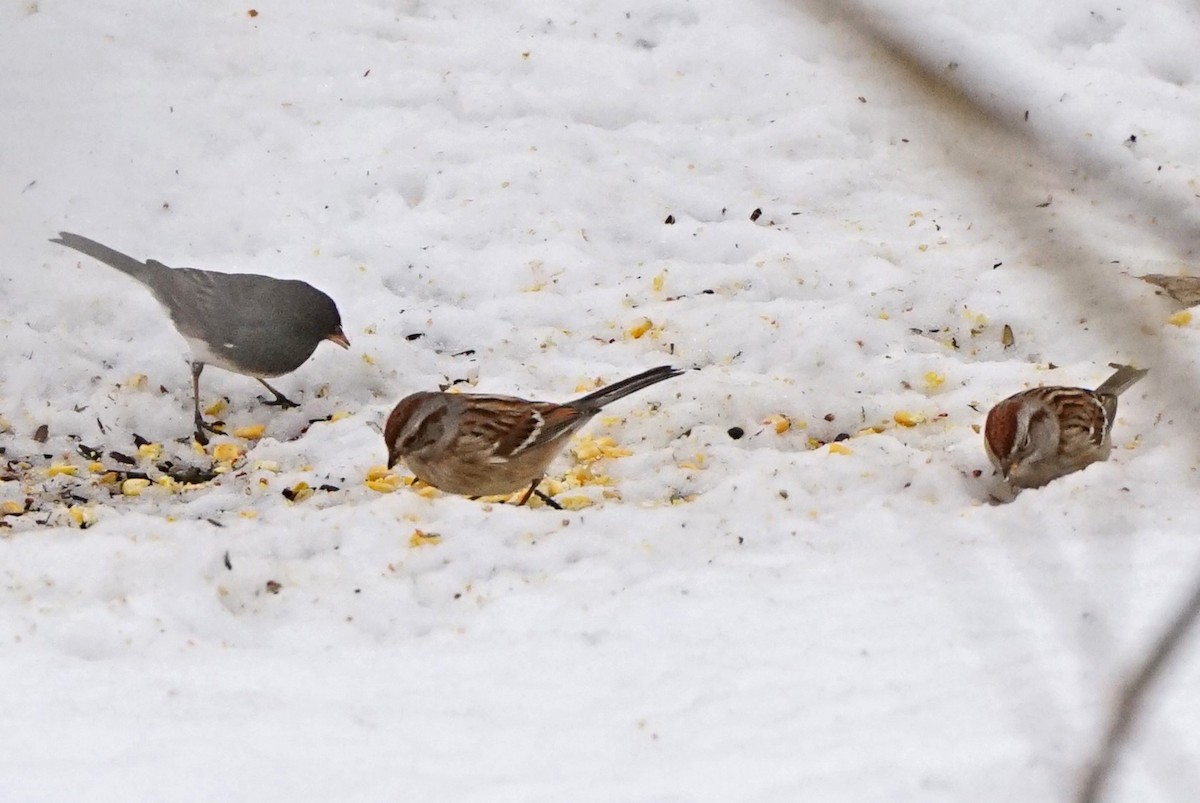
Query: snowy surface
[{"x": 759, "y": 619}]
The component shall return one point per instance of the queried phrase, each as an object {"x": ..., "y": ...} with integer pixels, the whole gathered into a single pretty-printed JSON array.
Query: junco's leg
[
  {"x": 279, "y": 401},
  {"x": 201, "y": 424}
]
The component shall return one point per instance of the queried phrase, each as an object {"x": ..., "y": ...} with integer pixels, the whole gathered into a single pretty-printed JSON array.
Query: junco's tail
[
  {"x": 142, "y": 271},
  {"x": 619, "y": 390}
]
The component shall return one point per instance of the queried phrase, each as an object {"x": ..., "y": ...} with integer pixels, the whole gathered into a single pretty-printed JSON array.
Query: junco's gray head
[{"x": 250, "y": 324}]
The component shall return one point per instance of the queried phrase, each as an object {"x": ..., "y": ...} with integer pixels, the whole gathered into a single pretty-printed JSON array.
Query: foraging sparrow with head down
[
  {"x": 479, "y": 445},
  {"x": 249, "y": 324},
  {"x": 1040, "y": 434}
]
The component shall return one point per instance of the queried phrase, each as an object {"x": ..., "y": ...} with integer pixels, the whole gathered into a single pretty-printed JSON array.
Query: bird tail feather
[
  {"x": 1121, "y": 381},
  {"x": 141, "y": 271},
  {"x": 621, "y": 389}
]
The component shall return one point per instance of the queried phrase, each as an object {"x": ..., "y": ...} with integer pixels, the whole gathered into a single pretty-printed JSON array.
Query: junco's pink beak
[{"x": 340, "y": 338}]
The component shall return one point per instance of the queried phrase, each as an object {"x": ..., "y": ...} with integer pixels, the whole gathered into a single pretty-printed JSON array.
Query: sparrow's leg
[
  {"x": 279, "y": 401},
  {"x": 201, "y": 424},
  {"x": 533, "y": 490}
]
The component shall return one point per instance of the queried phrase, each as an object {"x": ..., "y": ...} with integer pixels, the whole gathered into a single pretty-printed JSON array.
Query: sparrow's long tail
[
  {"x": 142, "y": 271},
  {"x": 1121, "y": 381},
  {"x": 619, "y": 390}
]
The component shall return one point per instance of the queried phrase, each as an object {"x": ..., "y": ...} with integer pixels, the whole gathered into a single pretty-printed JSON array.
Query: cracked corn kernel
[
  {"x": 378, "y": 472},
  {"x": 907, "y": 419},
  {"x": 589, "y": 449},
  {"x": 338, "y": 415},
  {"x": 934, "y": 380},
  {"x": 134, "y": 486},
  {"x": 639, "y": 328},
  {"x": 150, "y": 451},
  {"x": 251, "y": 433},
  {"x": 1181, "y": 318},
  {"x": 659, "y": 281},
  {"x": 226, "y": 452},
  {"x": 840, "y": 448},
  {"x": 81, "y": 516},
  {"x": 300, "y": 491},
  {"x": 215, "y": 408},
  {"x": 11, "y": 507},
  {"x": 574, "y": 502},
  {"x": 421, "y": 538},
  {"x": 780, "y": 422},
  {"x": 385, "y": 484},
  {"x": 61, "y": 468}
]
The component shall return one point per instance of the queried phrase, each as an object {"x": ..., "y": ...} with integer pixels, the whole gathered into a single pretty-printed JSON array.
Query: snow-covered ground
[{"x": 830, "y": 210}]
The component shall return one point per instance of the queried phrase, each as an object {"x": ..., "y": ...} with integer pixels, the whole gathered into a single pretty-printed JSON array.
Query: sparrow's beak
[
  {"x": 340, "y": 338},
  {"x": 393, "y": 459}
]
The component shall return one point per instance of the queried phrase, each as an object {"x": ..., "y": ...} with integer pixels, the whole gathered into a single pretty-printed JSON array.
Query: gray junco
[{"x": 242, "y": 322}]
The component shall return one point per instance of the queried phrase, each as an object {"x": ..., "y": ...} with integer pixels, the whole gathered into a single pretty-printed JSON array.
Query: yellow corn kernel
[
  {"x": 266, "y": 465},
  {"x": 136, "y": 382},
  {"x": 908, "y": 419},
  {"x": 248, "y": 514},
  {"x": 338, "y": 415},
  {"x": 134, "y": 486},
  {"x": 95, "y": 467},
  {"x": 420, "y": 538},
  {"x": 378, "y": 472},
  {"x": 226, "y": 452},
  {"x": 780, "y": 422},
  {"x": 934, "y": 380},
  {"x": 385, "y": 484},
  {"x": 840, "y": 448},
  {"x": 251, "y": 433},
  {"x": 82, "y": 516},
  {"x": 11, "y": 507},
  {"x": 216, "y": 408},
  {"x": 574, "y": 502},
  {"x": 639, "y": 328},
  {"x": 150, "y": 451},
  {"x": 659, "y": 281},
  {"x": 1181, "y": 318},
  {"x": 61, "y": 468},
  {"x": 301, "y": 491}
]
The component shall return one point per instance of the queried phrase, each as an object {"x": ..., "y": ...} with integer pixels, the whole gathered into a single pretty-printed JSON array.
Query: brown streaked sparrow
[
  {"x": 254, "y": 325},
  {"x": 477, "y": 445},
  {"x": 1040, "y": 434}
]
